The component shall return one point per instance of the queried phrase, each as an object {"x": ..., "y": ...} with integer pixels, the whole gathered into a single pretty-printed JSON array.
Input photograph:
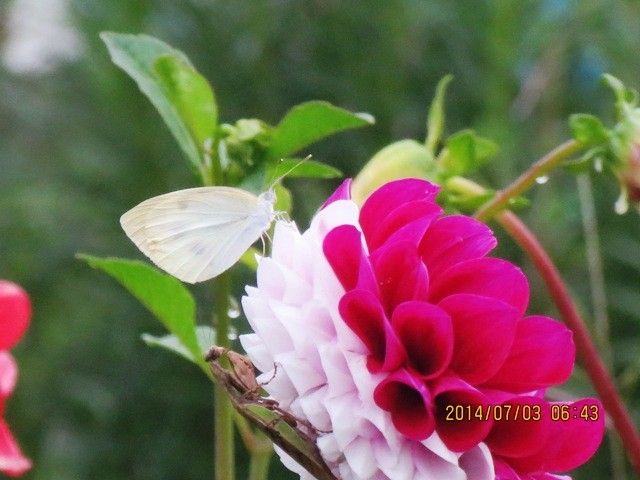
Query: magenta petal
[
  {"x": 409, "y": 402},
  {"x": 391, "y": 196},
  {"x": 345, "y": 253},
  {"x": 343, "y": 192},
  {"x": 407, "y": 222},
  {"x": 363, "y": 314},
  {"x": 504, "y": 471},
  {"x": 427, "y": 336},
  {"x": 579, "y": 438},
  {"x": 484, "y": 329},
  {"x": 400, "y": 274},
  {"x": 488, "y": 277},
  {"x": 543, "y": 354},
  {"x": 8, "y": 376},
  {"x": 15, "y": 314},
  {"x": 454, "y": 239},
  {"x": 522, "y": 427},
  {"x": 459, "y": 435},
  {"x": 12, "y": 462},
  {"x": 570, "y": 443}
]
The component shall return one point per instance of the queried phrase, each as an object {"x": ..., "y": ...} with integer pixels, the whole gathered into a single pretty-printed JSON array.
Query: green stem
[
  {"x": 539, "y": 169},
  {"x": 260, "y": 458},
  {"x": 259, "y": 465},
  {"x": 259, "y": 446},
  {"x": 223, "y": 410},
  {"x": 599, "y": 302}
]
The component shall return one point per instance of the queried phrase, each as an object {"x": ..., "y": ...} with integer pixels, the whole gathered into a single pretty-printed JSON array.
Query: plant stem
[
  {"x": 585, "y": 347},
  {"x": 224, "y": 465},
  {"x": 223, "y": 411},
  {"x": 599, "y": 302},
  {"x": 259, "y": 446},
  {"x": 259, "y": 465},
  {"x": 260, "y": 457},
  {"x": 539, "y": 169}
]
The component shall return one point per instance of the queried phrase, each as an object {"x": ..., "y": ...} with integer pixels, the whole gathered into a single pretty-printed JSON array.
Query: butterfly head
[{"x": 269, "y": 196}]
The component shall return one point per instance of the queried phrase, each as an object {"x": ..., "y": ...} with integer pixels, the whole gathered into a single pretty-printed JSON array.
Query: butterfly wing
[{"x": 197, "y": 233}]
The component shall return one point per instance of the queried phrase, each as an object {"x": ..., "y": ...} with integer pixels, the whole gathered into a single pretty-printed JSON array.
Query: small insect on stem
[{"x": 243, "y": 375}]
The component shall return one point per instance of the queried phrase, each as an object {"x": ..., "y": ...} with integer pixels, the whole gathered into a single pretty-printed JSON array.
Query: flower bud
[
  {"x": 401, "y": 159},
  {"x": 624, "y": 143},
  {"x": 630, "y": 180}
]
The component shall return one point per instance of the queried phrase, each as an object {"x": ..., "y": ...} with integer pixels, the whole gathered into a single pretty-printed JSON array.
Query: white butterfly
[{"x": 198, "y": 233}]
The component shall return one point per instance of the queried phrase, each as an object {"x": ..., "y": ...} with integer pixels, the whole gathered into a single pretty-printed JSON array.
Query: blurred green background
[{"x": 79, "y": 145}]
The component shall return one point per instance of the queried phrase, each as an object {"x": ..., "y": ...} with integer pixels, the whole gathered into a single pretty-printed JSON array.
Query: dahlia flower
[
  {"x": 15, "y": 313},
  {"x": 377, "y": 323}
]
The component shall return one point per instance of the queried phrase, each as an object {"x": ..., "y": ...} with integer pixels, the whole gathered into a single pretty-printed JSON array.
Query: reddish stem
[{"x": 586, "y": 349}]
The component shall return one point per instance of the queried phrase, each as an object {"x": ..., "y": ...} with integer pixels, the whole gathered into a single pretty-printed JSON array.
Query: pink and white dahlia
[
  {"x": 385, "y": 322},
  {"x": 15, "y": 313}
]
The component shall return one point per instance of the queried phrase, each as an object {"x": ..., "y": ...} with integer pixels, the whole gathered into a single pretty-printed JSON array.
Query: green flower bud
[
  {"x": 625, "y": 144},
  {"x": 402, "y": 159},
  {"x": 246, "y": 140}
]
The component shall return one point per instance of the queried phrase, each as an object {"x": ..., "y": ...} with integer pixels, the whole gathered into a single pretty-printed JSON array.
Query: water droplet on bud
[
  {"x": 622, "y": 204},
  {"x": 234, "y": 308},
  {"x": 597, "y": 164},
  {"x": 232, "y": 334},
  {"x": 541, "y": 180}
]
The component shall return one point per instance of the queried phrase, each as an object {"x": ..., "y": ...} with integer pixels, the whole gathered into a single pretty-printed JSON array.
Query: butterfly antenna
[
  {"x": 283, "y": 216},
  {"x": 281, "y": 177}
]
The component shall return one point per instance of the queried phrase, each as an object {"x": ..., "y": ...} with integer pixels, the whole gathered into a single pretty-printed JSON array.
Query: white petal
[
  {"x": 360, "y": 456},
  {"x": 437, "y": 446},
  {"x": 335, "y": 366},
  {"x": 478, "y": 463},
  {"x": 329, "y": 448},
  {"x": 314, "y": 410},
  {"x": 256, "y": 351},
  {"x": 433, "y": 467},
  {"x": 302, "y": 375},
  {"x": 270, "y": 278}
]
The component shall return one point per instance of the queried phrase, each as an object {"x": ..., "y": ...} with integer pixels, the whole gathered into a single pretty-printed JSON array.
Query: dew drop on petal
[{"x": 542, "y": 179}]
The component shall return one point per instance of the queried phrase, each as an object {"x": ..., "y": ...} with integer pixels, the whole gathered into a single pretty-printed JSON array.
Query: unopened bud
[{"x": 402, "y": 159}]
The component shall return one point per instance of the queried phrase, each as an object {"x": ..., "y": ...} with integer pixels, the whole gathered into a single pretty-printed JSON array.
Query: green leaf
[
  {"x": 205, "y": 335},
  {"x": 293, "y": 167},
  {"x": 624, "y": 96},
  {"x": 467, "y": 202},
  {"x": 248, "y": 258},
  {"x": 588, "y": 129},
  {"x": 309, "y": 122},
  {"x": 137, "y": 55},
  {"x": 163, "y": 295},
  {"x": 191, "y": 95},
  {"x": 465, "y": 151},
  {"x": 595, "y": 157},
  {"x": 284, "y": 201},
  {"x": 435, "y": 119}
]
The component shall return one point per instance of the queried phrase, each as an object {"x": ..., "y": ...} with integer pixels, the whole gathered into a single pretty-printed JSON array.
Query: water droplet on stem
[{"x": 541, "y": 180}]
